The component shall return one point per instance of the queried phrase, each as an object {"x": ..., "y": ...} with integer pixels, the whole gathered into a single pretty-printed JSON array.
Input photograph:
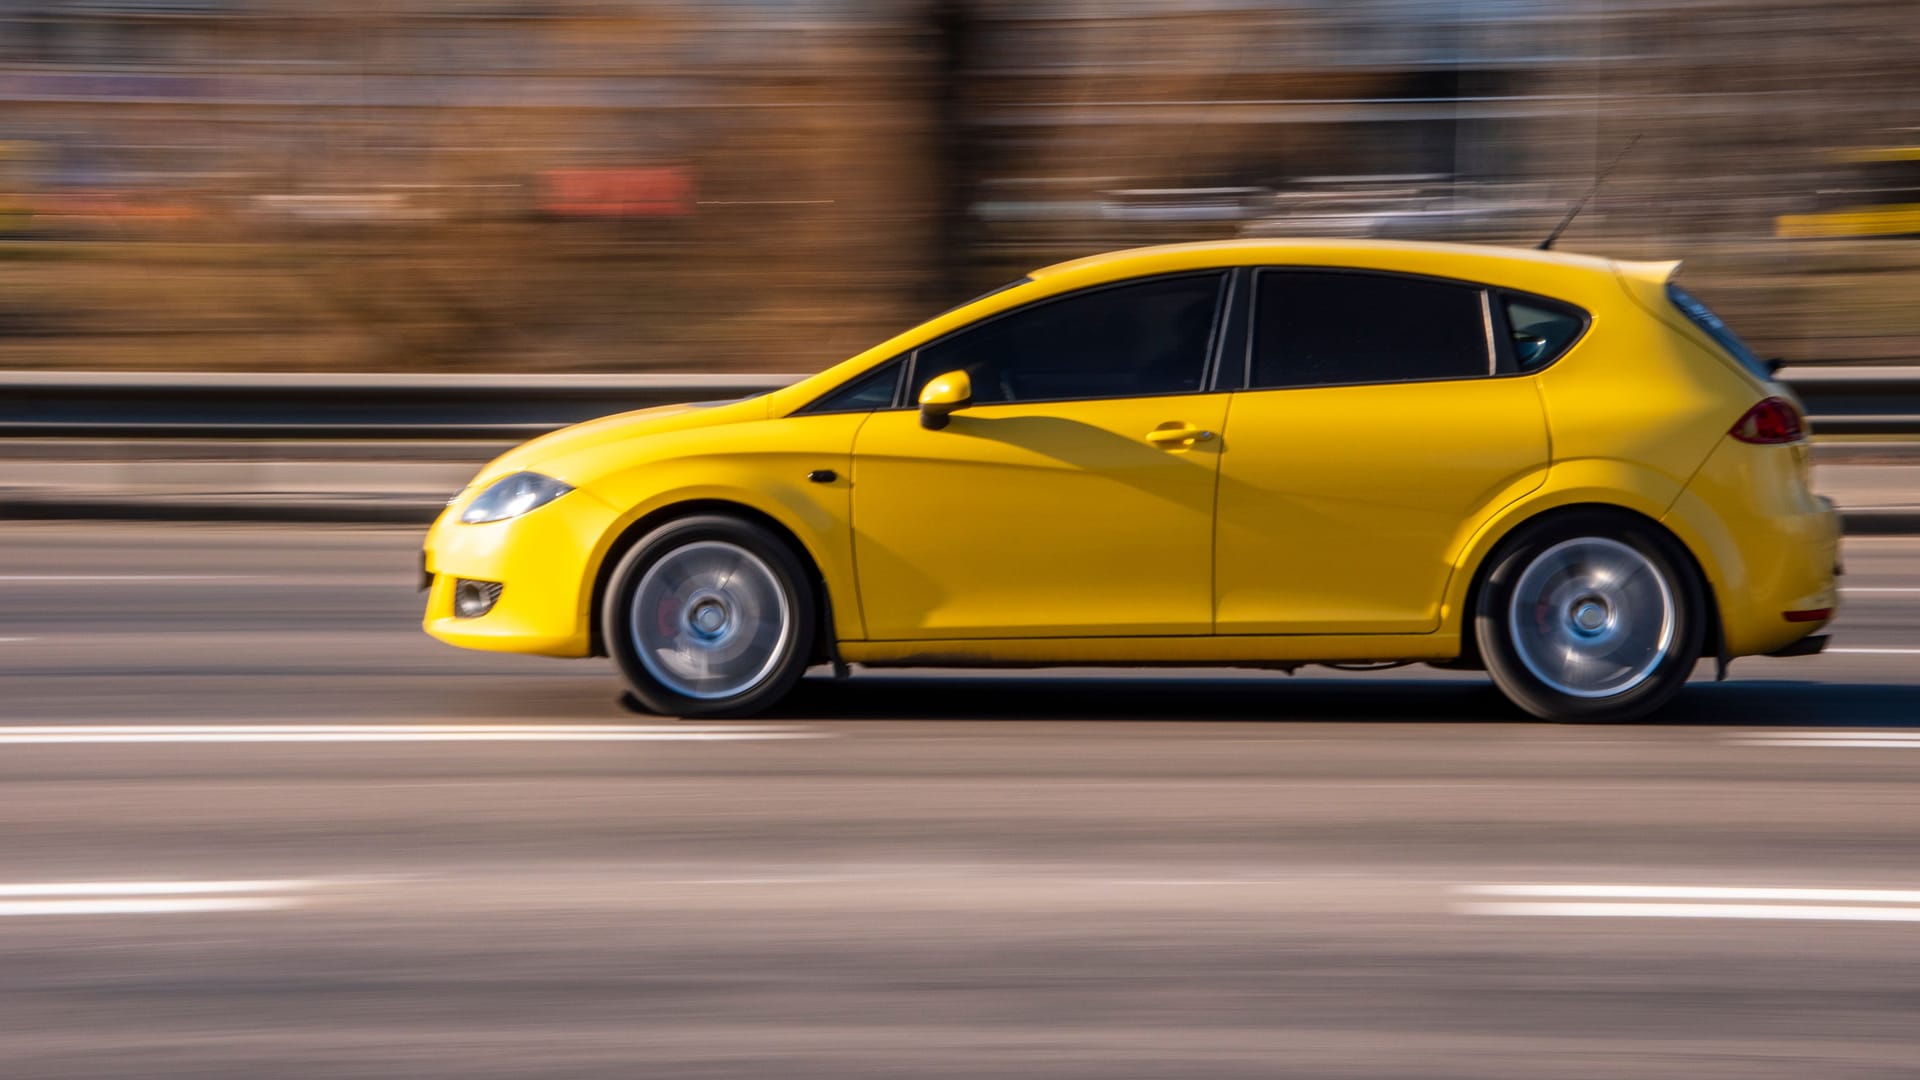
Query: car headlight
[{"x": 511, "y": 496}]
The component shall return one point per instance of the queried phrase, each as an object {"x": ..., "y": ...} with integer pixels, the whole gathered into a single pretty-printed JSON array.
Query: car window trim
[{"x": 1223, "y": 273}]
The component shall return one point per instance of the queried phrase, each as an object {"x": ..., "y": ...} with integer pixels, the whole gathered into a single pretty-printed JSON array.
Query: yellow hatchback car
[{"x": 1561, "y": 469}]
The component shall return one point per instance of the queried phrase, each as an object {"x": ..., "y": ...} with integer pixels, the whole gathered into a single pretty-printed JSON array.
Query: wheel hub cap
[
  {"x": 710, "y": 619},
  {"x": 1592, "y": 617}
]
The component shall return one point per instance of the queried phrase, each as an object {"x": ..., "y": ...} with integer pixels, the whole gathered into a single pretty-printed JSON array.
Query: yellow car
[{"x": 1561, "y": 469}]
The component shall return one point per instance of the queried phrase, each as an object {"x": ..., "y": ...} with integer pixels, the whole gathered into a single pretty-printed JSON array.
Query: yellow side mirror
[{"x": 942, "y": 396}]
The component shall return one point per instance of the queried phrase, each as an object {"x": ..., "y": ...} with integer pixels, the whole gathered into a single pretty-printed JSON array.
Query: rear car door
[{"x": 1376, "y": 430}]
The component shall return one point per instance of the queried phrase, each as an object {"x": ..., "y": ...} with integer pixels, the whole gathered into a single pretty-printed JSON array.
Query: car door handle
[{"x": 1176, "y": 434}]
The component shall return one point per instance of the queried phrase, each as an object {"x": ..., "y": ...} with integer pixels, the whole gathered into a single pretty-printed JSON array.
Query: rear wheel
[
  {"x": 709, "y": 616},
  {"x": 1590, "y": 616}
]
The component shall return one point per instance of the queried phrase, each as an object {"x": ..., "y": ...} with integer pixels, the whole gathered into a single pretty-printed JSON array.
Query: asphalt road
[{"x": 253, "y": 824}]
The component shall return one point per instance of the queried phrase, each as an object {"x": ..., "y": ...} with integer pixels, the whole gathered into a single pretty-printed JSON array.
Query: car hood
[{"x": 543, "y": 453}]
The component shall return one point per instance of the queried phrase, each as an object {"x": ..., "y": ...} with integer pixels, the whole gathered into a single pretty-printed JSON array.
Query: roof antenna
[{"x": 1547, "y": 244}]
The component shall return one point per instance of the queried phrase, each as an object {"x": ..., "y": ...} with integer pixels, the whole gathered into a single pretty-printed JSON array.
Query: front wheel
[
  {"x": 709, "y": 616},
  {"x": 1591, "y": 617}
]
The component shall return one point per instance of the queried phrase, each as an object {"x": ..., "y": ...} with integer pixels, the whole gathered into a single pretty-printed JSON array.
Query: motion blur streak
[{"x": 760, "y": 185}]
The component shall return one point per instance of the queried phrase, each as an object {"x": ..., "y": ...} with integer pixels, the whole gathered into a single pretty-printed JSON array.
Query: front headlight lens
[{"x": 511, "y": 496}]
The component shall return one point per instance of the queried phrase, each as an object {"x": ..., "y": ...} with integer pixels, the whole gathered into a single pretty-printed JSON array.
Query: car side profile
[{"x": 1560, "y": 469}]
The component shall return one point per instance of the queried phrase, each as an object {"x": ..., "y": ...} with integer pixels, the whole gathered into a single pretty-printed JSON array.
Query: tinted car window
[
  {"x": 1541, "y": 329},
  {"x": 871, "y": 391},
  {"x": 1703, "y": 317},
  {"x": 1131, "y": 340},
  {"x": 1314, "y": 328}
]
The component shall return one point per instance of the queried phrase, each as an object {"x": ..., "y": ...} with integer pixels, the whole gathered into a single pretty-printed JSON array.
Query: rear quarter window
[
  {"x": 1703, "y": 317},
  {"x": 1540, "y": 329}
]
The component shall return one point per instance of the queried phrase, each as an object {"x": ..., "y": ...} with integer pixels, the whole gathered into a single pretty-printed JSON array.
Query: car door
[
  {"x": 1074, "y": 497},
  {"x": 1376, "y": 431}
]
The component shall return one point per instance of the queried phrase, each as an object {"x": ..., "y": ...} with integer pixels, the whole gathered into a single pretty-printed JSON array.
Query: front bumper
[{"x": 545, "y": 560}]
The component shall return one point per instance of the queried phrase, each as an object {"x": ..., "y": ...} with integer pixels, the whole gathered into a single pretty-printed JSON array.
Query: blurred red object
[{"x": 654, "y": 191}]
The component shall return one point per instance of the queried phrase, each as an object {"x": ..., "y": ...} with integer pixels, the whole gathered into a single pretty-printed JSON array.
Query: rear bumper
[
  {"x": 1767, "y": 545},
  {"x": 1811, "y": 645}
]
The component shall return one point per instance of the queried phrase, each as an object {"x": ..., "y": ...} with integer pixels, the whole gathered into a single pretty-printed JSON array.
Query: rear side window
[
  {"x": 871, "y": 391},
  {"x": 1541, "y": 329},
  {"x": 1316, "y": 328},
  {"x": 1704, "y": 318}
]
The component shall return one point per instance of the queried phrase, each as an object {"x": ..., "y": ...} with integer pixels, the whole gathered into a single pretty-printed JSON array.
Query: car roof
[
  {"x": 1527, "y": 269},
  {"x": 1317, "y": 252}
]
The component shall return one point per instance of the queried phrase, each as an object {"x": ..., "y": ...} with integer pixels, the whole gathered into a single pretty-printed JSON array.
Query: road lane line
[
  {"x": 1695, "y": 892},
  {"x": 1891, "y": 739},
  {"x": 1694, "y": 911},
  {"x": 1876, "y": 652},
  {"x": 151, "y": 888},
  {"x": 1834, "y": 744},
  {"x": 148, "y": 897},
  {"x": 1881, "y": 589},
  {"x": 107, "y": 578},
  {"x": 145, "y": 907},
  {"x": 391, "y": 733}
]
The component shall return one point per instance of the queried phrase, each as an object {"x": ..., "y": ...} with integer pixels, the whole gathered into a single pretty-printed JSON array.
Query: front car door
[
  {"x": 1381, "y": 423},
  {"x": 1057, "y": 505}
]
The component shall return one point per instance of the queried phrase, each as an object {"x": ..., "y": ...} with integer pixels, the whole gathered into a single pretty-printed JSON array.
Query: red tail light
[{"x": 1774, "y": 420}]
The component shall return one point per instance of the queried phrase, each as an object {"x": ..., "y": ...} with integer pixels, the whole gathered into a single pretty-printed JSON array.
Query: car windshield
[{"x": 1703, "y": 317}]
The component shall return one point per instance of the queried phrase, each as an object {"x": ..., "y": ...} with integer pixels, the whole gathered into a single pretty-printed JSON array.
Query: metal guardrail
[
  {"x": 387, "y": 407},
  {"x": 1881, "y": 401}
]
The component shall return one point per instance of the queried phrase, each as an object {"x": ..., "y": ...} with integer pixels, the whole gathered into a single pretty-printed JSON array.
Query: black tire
[
  {"x": 765, "y": 626},
  {"x": 1594, "y": 644}
]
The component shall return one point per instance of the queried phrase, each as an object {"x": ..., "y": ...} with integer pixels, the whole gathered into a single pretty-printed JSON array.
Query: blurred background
[{"x": 773, "y": 185}]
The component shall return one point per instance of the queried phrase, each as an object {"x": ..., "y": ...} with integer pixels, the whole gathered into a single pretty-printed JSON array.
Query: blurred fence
[{"x": 1878, "y": 401}]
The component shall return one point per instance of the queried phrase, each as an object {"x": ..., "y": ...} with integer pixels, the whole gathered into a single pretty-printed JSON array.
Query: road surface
[{"x": 253, "y": 824}]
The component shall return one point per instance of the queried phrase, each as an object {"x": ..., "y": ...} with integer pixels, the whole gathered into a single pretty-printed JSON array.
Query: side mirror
[{"x": 942, "y": 396}]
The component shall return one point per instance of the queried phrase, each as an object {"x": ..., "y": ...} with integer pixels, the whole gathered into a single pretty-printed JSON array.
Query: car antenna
[{"x": 1547, "y": 244}]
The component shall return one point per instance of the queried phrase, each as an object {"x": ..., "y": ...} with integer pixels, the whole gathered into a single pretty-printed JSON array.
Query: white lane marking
[
  {"x": 1877, "y": 652},
  {"x": 384, "y": 733},
  {"x": 123, "y": 577},
  {"x": 1860, "y": 740},
  {"x": 1695, "y": 911},
  {"x": 1696, "y": 892},
  {"x": 1880, "y": 589},
  {"x": 148, "y": 897},
  {"x": 150, "y": 888},
  {"x": 144, "y": 907},
  {"x": 11, "y": 640}
]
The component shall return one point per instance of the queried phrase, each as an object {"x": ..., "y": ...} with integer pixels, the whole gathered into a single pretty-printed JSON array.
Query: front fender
[{"x": 764, "y": 467}]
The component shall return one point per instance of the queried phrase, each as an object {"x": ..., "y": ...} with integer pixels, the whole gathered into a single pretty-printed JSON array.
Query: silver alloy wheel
[
  {"x": 1592, "y": 618},
  {"x": 710, "y": 620}
]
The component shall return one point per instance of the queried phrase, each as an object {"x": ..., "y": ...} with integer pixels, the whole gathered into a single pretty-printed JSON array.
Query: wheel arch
[
  {"x": 632, "y": 533},
  {"x": 1493, "y": 543}
]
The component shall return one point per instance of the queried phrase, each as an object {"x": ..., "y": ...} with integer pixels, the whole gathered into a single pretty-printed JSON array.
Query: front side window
[
  {"x": 1321, "y": 328},
  {"x": 1147, "y": 338}
]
